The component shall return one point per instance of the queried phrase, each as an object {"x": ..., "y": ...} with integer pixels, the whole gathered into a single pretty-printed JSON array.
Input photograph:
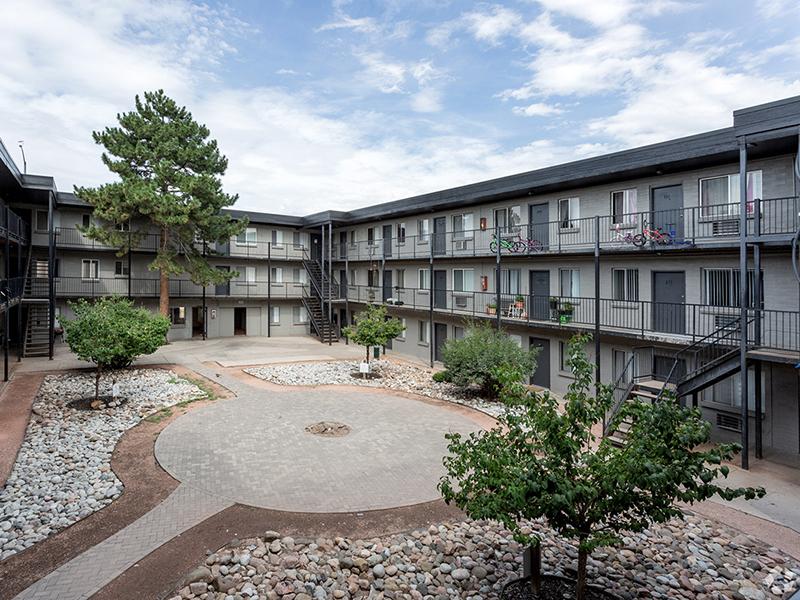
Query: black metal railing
[
  {"x": 79, "y": 287},
  {"x": 13, "y": 224},
  {"x": 715, "y": 225},
  {"x": 11, "y": 290}
]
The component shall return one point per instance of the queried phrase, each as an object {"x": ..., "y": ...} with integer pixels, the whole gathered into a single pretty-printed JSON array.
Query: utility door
[
  {"x": 669, "y": 301},
  {"x": 542, "y": 374},
  {"x": 440, "y": 288},
  {"x": 539, "y": 295},
  {"x": 538, "y": 223},
  {"x": 439, "y": 236},
  {"x": 387, "y": 241},
  {"x": 439, "y": 338},
  {"x": 668, "y": 210}
]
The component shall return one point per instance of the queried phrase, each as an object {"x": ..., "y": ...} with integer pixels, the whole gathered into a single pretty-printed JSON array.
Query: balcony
[
  {"x": 13, "y": 226},
  {"x": 67, "y": 237},
  {"x": 657, "y": 321},
  {"x": 149, "y": 287},
  {"x": 670, "y": 230},
  {"x": 11, "y": 291}
]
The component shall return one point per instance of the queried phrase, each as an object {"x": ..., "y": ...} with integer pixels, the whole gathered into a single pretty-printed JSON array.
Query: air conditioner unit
[
  {"x": 726, "y": 228},
  {"x": 461, "y": 244},
  {"x": 461, "y": 301},
  {"x": 727, "y": 321},
  {"x": 729, "y": 422}
]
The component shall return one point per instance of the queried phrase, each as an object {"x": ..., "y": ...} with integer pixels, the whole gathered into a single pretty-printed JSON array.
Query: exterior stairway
[
  {"x": 37, "y": 326},
  {"x": 316, "y": 296}
]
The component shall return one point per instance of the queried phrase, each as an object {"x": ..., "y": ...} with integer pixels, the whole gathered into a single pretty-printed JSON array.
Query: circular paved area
[{"x": 254, "y": 450}]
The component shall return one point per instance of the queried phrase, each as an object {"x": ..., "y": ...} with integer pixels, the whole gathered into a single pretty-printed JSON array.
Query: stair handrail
[
  {"x": 621, "y": 400},
  {"x": 27, "y": 274},
  {"x": 314, "y": 322}
]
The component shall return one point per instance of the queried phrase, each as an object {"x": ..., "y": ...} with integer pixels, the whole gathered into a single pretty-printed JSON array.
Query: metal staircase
[
  {"x": 319, "y": 292},
  {"x": 36, "y": 341}
]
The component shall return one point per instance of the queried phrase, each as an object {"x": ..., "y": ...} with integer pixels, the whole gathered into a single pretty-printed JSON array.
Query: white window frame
[
  {"x": 90, "y": 262},
  {"x": 250, "y": 237},
  {"x": 424, "y": 279},
  {"x": 730, "y": 297},
  {"x": 423, "y": 231},
  {"x": 276, "y": 275},
  {"x": 569, "y": 220},
  {"x": 275, "y": 315},
  {"x": 400, "y": 277},
  {"x": 574, "y": 283},
  {"x": 563, "y": 359},
  {"x": 180, "y": 321},
  {"x": 463, "y": 226},
  {"x": 629, "y": 200},
  {"x": 401, "y": 233},
  {"x": 250, "y": 275},
  {"x": 299, "y": 315},
  {"x": 402, "y": 335},
  {"x": 467, "y": 280},
  {"x": 297, "y": 240},
  {"x": 510, "y": 285},
  {"x": 123, "y": 270},
  {"x": 86, "y": 220},
  {"x": 353, "y": 242},
  {"x": 46, "y": 219},
  {"x": 731, "y": 208},
  {"x": 125, "y": 226},
  {"x": 629, "y": 290},
  {"x": 423, "y": 332},
  {"x": 277, "y": 240}
]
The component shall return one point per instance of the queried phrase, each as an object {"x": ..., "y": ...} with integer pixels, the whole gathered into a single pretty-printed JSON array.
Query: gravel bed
[
  {"x": 393, "y": 375},
  {"x": 695, "y": 559},
  {"x": 63, "y": 469}
]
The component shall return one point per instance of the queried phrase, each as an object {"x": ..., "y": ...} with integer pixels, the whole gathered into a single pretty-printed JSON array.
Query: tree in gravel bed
[
  {"x": 543, "y": 461},
  {"x": 111, "y": 332},
  {"x": 373, "y": 327},
  {"x": 473, "y": 359}
]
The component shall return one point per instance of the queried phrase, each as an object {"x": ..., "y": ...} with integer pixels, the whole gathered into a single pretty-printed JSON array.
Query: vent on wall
[
  {"x": 460, "y": 244},
  {"x": 461, "y": 301},
  {"x": 725, "y": 228},
  {"x": 729, "y": 422}
]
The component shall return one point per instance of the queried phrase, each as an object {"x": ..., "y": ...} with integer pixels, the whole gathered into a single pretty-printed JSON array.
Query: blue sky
[{"x": 345, "y": 103}]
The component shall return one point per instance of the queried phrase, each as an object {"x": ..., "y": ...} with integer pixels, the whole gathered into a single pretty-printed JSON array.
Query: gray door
[
  {"x": 539, "y": 298},
  {"x": 439, "y": 338},
  {"x": 440, "y": 289},
  {"x": 342, "y": 283},
  {"x": 541, "y": 376},
  {"x": 223, "y": 289},
  {"x": 439, "y": 236},
  {"x": 538, "y": 228},
  {"x": 342, "y": 244},
  {"x": 387, "y": 284},
  {"x": 668, "y": 210},
  {"x": 669, "y": 299},
  {"x": 387, "y": 240}
]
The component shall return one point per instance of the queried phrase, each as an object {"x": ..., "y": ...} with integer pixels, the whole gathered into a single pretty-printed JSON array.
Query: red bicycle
[
  {"x": 650, "y": 234},
  {"x": 528, "y": 245}
]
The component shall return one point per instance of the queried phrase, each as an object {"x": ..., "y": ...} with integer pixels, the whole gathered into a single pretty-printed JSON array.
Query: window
[
  {"x": 719, "y": 196},
  {"x": 42, "y": 221},
  {"x": 621, "y": 358},
  {"x": 371, "y": 235},
  {"x": 623, "y": 207},
  {"x": 400, "y": 275},
  {"x": 177, "y": 315},
  {"x": 720, "y": 287},
  {"x": 353, "y": 237},
  {"x": 299, "y": 315},
  {"x": 250, "y": 275},
  {"x": 570, "y": 281},
  {"x": 423, "y": 332},
  {"x": 462, "y": 226},
  {"x": 299, "y": 275},
  {"x": 509, "y": 281},
  {"x": 275, "y": 315},
  {"x": 353, "y": 279},
  {"x": 424, "y": 282},
  {"x": 121, "y": 268},
  {"x": 458, "y": 332},
  {"x": 463, "y": 280},
  {"x": 423, "y": 230},
  {"x": 247, "y": 237},
  {"x": 402, "y": 335},
  {"x": 625, "y": 284},
  {"x": 276, "y": 275},
  {"x": 124, "y": 226},
  {"x": 508, "y": 219},
  {"x": 90, "y": 269},
  {"x": 297, "y": 241},
  {"x": 569, "y": 210},
  {"x": 563, "y": 358},
  {"x": 372, "y": 278},
  {"x": 729, "y": 391},
  {"x": 277, "y": 238},
  {"x": 401, "y": 233},
  {"x": 517, "y": 339},
  {"x": 86, "y": 220}
]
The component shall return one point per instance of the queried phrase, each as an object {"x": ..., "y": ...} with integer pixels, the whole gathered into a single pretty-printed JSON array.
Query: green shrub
[
  {"x": 472, "y": 360},
  {"x": 441, "y": 376},
  {"x": 112, "y": 332}
]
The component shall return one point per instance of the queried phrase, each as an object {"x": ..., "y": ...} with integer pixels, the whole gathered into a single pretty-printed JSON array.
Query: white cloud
[
  {"x": 382, "y": 74},
  {"x": 771, "y": 9},
  {"x": 427, "y": 100},
  {"x": 538, "y": 109},
  {"x": 286, "y": 72},
  {"x": 343, "y": 21},
  {"x": 491, "y": 25}
]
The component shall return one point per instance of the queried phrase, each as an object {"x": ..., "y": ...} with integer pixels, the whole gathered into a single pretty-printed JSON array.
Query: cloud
[
  {"x": 343, "y": 21},
  {"x": 286, "y": 72},
  {"x": 538, "y": 109},
  {"x": 770, "y": 9},
  {"x": 427, "y": 100},
  {"x": 491, "y": 25}
]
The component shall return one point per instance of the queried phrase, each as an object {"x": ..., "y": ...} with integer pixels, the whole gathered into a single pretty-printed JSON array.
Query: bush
[
  {"x": 543, "y": 461},
  {"x": 472, "y": 360},
  {"x": 373, "y": 327},
  {"x": 112, "y": 333},
  {"x": 441, "y": 377}
]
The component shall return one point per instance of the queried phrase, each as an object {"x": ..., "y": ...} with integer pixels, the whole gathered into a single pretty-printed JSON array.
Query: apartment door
[
  {"x": 439, "y": 236},
  {"x": 240, "y": 320},
  {"x": 387, "y": 284},
  {"x": 539, "y": 295},
  {"x": 669, "y": 299},
  {"x": 223, "y": 289},
  {"x": 198, "y": 321},
  {"x": 439, "y": 338},
  {"x": 342, "y": 283},
  {"x": 387, "y": 241},
  {"x": 542, "y": 374},
  {"x": 440, "y": 288},
  {"x": 342, "y": 244},
  {"x": 668, "y": 210},
  {"x": 538, "y": 227},
  {"x": 316, "y": 247}
]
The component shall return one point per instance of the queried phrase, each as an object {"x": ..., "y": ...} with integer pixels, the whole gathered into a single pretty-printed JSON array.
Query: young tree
[
  {"x": 544, "y": 461},
  {"x": 169, "y": 175},
  {"x": 111, "y": 333},
  {"x": 473, "y": 359},
  {"x": 373, "y": 327}
]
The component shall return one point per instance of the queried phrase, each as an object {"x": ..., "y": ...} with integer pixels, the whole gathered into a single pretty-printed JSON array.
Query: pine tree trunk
[
  {"x": 163, "y": 292},
  {"x": 581, "y": 589}
]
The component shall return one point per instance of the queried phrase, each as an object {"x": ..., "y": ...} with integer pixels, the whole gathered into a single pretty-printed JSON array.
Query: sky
[{"x": 339, "y": 104}]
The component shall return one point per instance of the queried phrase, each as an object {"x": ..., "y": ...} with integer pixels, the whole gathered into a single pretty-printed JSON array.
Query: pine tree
[{"x": 169, "y": 175}]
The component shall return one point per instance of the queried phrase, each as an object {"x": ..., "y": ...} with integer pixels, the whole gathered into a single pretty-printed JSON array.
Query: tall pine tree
[{"x": 169, "y": 175}]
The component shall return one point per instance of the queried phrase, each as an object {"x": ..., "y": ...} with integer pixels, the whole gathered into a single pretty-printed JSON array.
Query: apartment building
[{"x": 675, "y": 256}]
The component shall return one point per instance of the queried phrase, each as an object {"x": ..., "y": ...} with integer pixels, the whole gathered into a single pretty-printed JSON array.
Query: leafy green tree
[
  {"x": 111, "y": 332},
  {"x": 544, "y": 461},
  {"x": 169, "y": 181},
  {"x": 373, "y": 327},
  {"x": 473, "y": 359}
]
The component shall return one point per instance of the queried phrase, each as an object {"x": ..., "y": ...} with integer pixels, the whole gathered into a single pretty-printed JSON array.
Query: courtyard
[{"x": 265, "y": 469}]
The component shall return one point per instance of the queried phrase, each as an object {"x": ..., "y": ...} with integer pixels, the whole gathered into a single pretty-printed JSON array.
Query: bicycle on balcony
[
  {"x": 509, "y": 245},
  {"x": 528, "y": 245},
  {"x": 655, "y": 235},
  {"x": 626, "y": 238}
]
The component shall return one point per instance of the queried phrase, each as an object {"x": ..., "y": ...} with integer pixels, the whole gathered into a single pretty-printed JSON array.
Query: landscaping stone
[
  {"x": 63, "y": 469},
  {"x": 472, "y": 560}
]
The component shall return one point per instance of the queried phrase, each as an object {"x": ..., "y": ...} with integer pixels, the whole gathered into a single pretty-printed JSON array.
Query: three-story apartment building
[{"x": 675, "y": 256}]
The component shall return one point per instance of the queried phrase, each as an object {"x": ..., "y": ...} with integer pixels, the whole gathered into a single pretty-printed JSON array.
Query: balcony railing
[
  {"x": 11, "y": 222},
  {"x": 11, "y": 290},
  {"x": 669, "y": 322},
  {"x": 67, "y": 237},
  {"x": 716, "y": 225},
  {"x": 149, "y": 287}
]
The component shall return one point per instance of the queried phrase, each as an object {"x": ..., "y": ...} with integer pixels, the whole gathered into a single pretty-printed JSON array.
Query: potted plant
[
  {"x": 543, "y": 462},
  {"x": 491, "y": 308},
  {"x": 565, "y": 312},
  {"x": 519, "y": 301}
]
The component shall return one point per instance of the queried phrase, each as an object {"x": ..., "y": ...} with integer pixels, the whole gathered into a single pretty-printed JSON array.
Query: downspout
[
  {"x": 6, "y": 318},
  {"x": 330, "y": 282},
  {"x": 745, "y": 441},
  {"x": 597, "y": 301},
  {"x": 51, "y": 259},
  {"x": 269, "y": 290},
  {"x": 430, "y": 299},
  {"x": 498, "y": 272}
]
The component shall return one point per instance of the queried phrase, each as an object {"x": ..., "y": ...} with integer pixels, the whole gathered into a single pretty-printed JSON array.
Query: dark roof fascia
[
  {"x": 9, "y": 164},
  {"x": 767, "y": 117},
  {"x": 265, "y": 218}
]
